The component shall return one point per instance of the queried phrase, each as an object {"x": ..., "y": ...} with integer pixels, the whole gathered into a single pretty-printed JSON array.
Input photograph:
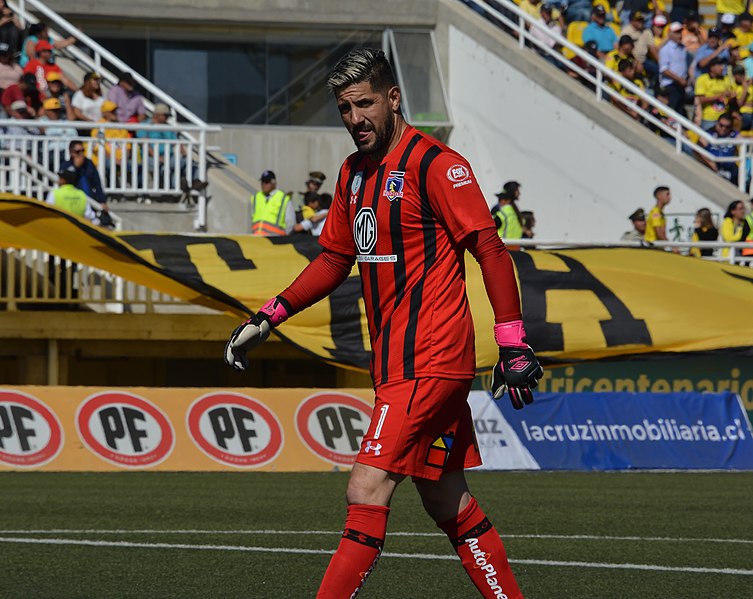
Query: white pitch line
[
  {"x": 389, "y": 534},
  {"x": 424, "y": 556}
]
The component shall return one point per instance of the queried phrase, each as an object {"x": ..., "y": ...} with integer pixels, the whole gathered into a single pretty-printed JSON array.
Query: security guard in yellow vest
[
  {"x": 70, "y": 198},
  {"x": 272, "y": 213}
]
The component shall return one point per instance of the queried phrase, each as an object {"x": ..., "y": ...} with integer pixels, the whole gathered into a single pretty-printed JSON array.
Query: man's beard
[{"x": 381, "y": 138}]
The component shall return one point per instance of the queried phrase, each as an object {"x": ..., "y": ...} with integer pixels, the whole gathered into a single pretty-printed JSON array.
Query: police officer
[{"x": 272, "y": 212}]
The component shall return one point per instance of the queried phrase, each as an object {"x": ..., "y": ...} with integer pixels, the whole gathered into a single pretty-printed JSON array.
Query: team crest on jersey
[
  {"x": 355, "y": 185},
  {"x": 365, "y": 230},
  {"x": 393, "y": 188}
]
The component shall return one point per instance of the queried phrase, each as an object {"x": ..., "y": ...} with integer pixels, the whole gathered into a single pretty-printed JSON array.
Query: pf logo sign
[
  {"x": 30, "y": 433},
  {"x": 125, "y": 430},
  {"x": 235, "y": 430},
  {"x": 332, "y": 425}
]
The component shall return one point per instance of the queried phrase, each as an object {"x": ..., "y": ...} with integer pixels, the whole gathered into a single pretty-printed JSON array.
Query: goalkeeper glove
[
  {"x": 255, "y": 331},
  {"x": 517, "y": 371}
]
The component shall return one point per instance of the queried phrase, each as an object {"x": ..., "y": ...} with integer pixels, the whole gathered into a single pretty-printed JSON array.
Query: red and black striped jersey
[{"x": 404, "y": 219}]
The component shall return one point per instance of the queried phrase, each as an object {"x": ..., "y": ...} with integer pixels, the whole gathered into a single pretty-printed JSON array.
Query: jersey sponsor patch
[
  {"x": 393, "y": 187},
  {"x": 439, "y": 450},
  {"x": 365, "y": 230},
  {"x": 459, "y": 175}
]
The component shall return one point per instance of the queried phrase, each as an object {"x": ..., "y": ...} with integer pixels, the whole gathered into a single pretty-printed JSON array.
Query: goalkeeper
[{"x": 406, "y": 208}]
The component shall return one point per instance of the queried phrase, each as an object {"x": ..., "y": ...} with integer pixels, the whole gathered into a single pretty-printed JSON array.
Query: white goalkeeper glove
[
  {"x": 517, "y": 371},
  {"x": 255, "y": 331}
]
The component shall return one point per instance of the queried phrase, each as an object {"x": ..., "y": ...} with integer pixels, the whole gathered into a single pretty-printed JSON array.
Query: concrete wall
[
  {"x": 584, "y": 166},
  {"x": 326, "y": 12}
]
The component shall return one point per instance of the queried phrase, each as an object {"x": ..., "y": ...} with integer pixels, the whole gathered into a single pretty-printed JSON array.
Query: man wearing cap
[
  {"x": 26, "y": 90},
  {"x": 160, "y": 153},
  {"x": 644, "y": 50},
  {"x": 673, "y": 68},
  {"x": 713, "y": 91},
  {"x": 506, "y": 214},
  {"x": 730, "y": 7},
  {"x": 638, "y": 218},
  {"x": 272, "y": 212},
  {"x": 10, "y": 72},
  {"x": 713, "y": 48},
  {"x": 551, "y": 24},
  {"x": 56, "y": 90},
  {"x": 598, "y": 31},
  {"x": 20, "y": 111},
  {"x": 55, "y": 127},
  {"x": 113, "y": 148},
  {"x": 743, "y": 89},
  {"x": 87, "y": 101},
  {"x": 70, "y": 198},
  {"x": 42, "y": 65},
  {"x": 130, "y": 102},
  {"x": 659, "y": 30}
]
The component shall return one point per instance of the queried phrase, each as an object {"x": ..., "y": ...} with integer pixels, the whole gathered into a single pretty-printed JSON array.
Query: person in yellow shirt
[
  {"x": 743, "y": 96},
  {"x": 656, "y": 224},
  {"x": 744, "y": 34},
  {"x": 660, "y": 30},
  {"x": 734, "y": 225},
  {"x": 112, "y": 150},
  {"x": 713, "y": 92},
  {"x": 734, "y": 7}
]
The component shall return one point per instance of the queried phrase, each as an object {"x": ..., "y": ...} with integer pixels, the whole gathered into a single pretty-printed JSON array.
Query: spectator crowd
[{"x": 703, "y": 71}]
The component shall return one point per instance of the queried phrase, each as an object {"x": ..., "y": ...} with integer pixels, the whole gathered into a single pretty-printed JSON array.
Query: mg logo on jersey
[
  {"x": 30, "y": 433},
  {"x": 235, "y": 430},
  {"x": 393, "y": 187},
  {"x": 365, "y": 231},
  {"x": 125, "y": 429},
  {"x": 332, "y": 425}
]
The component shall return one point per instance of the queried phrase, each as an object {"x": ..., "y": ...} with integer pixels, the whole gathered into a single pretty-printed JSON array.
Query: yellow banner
[
  {"x": 579, "y": 304},
  {"x": 99, "y": 429}
]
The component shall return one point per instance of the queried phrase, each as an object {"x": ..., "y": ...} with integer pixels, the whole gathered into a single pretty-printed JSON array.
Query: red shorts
[{"x": 421, "y": 428}]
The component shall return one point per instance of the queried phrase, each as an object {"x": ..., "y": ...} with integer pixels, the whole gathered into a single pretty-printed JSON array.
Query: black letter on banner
[
  {"x": 112, "y": 426},
  {"x": 345, "y": 315},
  {"x": 621, "y": 329},
  {"x": 171, "y": 252},
  {"x": 131, "y": 416},
  {"x": 329, "y": 421},
  {"x": 245, "y": 434},
  {"x": 6, "y": 430},
  {"x": 19, "y": 414},
  {"x": 222, "y": 426},
  {"x": 354, "y": 435}
]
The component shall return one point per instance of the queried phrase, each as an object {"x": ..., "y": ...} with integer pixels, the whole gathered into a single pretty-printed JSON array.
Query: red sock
[
  {"x": 479, "y": 547},
  {"x": 358, "y": 552}
]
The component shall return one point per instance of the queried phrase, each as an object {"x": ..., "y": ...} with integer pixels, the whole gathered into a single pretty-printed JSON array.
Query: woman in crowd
[
  {"x": 704, "y": 231},
  {"x": 87, "y": 101},
  {"x": 734, "y": 225}
]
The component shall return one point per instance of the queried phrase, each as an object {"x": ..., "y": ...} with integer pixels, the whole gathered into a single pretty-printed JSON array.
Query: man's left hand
[{"x": 518, "y": 370}]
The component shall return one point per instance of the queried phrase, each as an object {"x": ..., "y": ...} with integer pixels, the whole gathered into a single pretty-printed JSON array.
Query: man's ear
[{"x": 393, "y": 97}]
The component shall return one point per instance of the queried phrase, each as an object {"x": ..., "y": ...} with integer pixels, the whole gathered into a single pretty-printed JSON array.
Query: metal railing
[
  {"x": 127, "y": 166},
  {"x": 602, "y": 80},
  {"x": 110, "y": 67},
  {"x": 31, "y": 278}
]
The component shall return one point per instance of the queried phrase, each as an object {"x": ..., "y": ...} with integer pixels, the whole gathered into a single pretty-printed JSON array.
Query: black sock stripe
[
  {"x": 481, "y": 528},
  {"x": 362, "y": 538}
]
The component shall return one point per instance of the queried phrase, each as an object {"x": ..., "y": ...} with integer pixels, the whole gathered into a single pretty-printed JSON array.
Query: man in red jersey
[{"x": 406, "y": 208}]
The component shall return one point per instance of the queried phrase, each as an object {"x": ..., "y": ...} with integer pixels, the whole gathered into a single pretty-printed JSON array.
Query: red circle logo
[
  {"x": 30, "y": 433},
  {"x": 235, "y": 430},
  {"x": 124, "y": 429},
  {"x": 332, "y": 425}
]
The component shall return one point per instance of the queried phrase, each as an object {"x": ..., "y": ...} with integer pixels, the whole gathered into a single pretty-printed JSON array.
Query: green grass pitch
[{"x": 569, "y": 535}]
